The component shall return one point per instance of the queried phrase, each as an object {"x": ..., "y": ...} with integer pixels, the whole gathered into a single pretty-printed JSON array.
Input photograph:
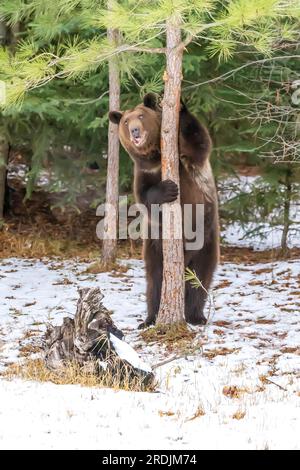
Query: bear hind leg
[
  {"x": 194, "y": 305},
  {"x": 154, "y": 268},
  {"x": 204, "y": 264}
]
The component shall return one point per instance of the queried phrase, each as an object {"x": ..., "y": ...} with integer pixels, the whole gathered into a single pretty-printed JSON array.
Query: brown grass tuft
[
  {"x": 290, "y": 350},
  {"x": 29, "y": 349},
  {"x": 211, "y": 353},
  {"x": 232, "y": 391},
  {"x": 198, "y": 413},
  {"x": 166, "y": 413},
  {"x": 39, "y": 245},
  {"x": 176, "y": 336},
  {"x": 239, "y": 415},
  {"x": 73, "y": 374},
  {"x": 101, "y": 267},
  {"x": 24, "y": 238}
]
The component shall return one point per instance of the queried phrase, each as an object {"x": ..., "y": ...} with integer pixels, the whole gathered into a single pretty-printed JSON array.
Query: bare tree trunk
[
  {"x": 3, "y": 33},
  {"x": 3, "y": 163},
  {"x": 172, "y": 298},
  {"x": 109, "y": 247},
  {"x": 13, "y": 40},
  {"x": 3, "y": 141},
  {"x": 286, "y": 212}
]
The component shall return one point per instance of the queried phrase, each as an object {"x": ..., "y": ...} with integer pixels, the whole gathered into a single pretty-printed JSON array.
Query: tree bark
[
  {"x": 172, "y": 298},
  {"x": 109, "y": 247},
  {"x": 3, "y": 33},
  {"x": 13, "y": 37},
  {"x": 3, "y": 140},
  {"x": 3, "y": 163},
  {"x": 286, "y": 212}
]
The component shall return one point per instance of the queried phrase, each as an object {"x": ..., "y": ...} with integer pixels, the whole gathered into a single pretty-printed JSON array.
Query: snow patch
[{"x": 127, "y": 353}]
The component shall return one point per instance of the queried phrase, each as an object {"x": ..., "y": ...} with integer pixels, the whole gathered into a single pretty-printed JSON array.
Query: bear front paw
[{"x": 168, "y": 191}]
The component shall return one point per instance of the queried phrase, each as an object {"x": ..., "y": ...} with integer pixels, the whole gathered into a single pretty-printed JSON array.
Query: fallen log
[{"x": 93, "y": 341}]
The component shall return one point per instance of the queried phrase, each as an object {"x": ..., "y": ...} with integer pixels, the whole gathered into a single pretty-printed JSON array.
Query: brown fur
[{"x": 196, "y": 187}]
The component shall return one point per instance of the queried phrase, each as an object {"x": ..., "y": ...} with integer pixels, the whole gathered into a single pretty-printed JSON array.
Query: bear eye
[
  {"x": 141, "y": 116},
  {"x": 126, "y": 123}
]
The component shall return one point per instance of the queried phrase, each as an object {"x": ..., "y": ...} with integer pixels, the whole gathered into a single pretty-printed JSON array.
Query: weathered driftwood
[{"x": 92, "y": 341}]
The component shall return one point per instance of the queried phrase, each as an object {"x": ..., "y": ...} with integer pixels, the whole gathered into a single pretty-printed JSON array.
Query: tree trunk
[
  {"x": 286, "y": 212},
  {"x": 172, "y": 298},
  {"x": 3, "y": 163},
  {"x": 13, "y": 37},
  {"x": 3, "y": 33},
  {"x": 109, "y": 247},
  {"x": 3, "y": 140}
]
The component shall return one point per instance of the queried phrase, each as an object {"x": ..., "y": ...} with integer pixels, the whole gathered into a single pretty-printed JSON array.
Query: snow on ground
[
  {"x": 259, "y": 236},
  {"x": 235, "y": 235},
  {"x": 253, "y": 333}
]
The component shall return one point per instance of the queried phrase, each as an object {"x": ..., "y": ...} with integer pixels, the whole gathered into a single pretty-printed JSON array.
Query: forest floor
[{"x": 236, "y": 384}]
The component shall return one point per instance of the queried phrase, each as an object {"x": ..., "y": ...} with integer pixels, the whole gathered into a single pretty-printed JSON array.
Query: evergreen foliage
[{"x": 240, "y": 64}]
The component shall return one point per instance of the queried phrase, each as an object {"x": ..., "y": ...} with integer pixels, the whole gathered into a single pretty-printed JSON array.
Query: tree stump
[{"x": 92, "y": 341}]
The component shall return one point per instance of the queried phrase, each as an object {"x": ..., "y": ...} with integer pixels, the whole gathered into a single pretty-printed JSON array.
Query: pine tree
[
  {"x": 3, "y": 140},
  {"x": 3, "y": 163},
  {"x": 109, "y": 246},
  {"x": 172, "y": 306}
]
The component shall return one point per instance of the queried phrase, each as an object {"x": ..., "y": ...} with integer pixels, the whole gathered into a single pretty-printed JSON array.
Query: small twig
[
  {"x": 152, "y": 50},
  {"x": 274, "y": 383},
  {"x": 166, "y": 361},
  {"x": 238, "y": 69},
  {"x": 191, "y": 276},
  {"x": 186, "y": 42}
]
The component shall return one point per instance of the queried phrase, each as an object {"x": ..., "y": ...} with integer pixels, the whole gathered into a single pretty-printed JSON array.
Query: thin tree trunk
[
  {"x": 3, "y": 140},
  {"x": 286, "y": 212},
  {"x": 109, "y": 247},
  {"x": 172, "y": 298},
  {"x": 3, "y": 163},
  {"x": 14, "y": 31},
  {"x": 3, "y": 33}
]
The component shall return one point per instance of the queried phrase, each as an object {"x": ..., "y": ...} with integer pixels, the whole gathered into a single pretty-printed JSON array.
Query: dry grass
[
  {"x": 222, "y": 323},
  {"x": 247, "y": 255},
  {"x": 239, "y": 414},
  {"x": 198, "y": 413},
  {"x": 31, "y": 240},
  {"x": 232, "y": 391},
  {"x": 290, "y": 350},
  {"x": 73, "y": 374},
  {"x": 166, "y": 413},
  {"x": 264, "y": 321},
  {"x": 101, "y": 267},
  {"x": 211, "y": 353},
  {"x": 34, "y": 245},
  {"x": 36, "y": 236},
  {"x": 28, "y": 349},
  {"x": 176, "y": 337}
]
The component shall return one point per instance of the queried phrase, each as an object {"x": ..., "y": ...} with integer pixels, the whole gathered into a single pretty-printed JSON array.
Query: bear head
[{"x": 139, "y": 128}]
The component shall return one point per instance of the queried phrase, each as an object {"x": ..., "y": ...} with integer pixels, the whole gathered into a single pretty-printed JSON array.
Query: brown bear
[{"x": 139, "y": 133}]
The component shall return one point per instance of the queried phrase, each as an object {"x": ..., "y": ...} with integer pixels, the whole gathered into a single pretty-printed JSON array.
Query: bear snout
[{"x": 135, "y": 132}]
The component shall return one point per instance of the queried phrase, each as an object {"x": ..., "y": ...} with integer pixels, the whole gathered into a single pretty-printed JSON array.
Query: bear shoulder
[{"x": 194, "y": 140}]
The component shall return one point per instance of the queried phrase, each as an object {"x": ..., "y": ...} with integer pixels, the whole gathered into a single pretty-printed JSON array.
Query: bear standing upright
[{"x": 139, "y": 133}]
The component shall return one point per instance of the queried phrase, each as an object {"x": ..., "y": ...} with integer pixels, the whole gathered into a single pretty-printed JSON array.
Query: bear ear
[
  {"x": 115, "y": 116},
  {"x": 182, "y": 105},
  {"x": 150, "y": 100}
]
